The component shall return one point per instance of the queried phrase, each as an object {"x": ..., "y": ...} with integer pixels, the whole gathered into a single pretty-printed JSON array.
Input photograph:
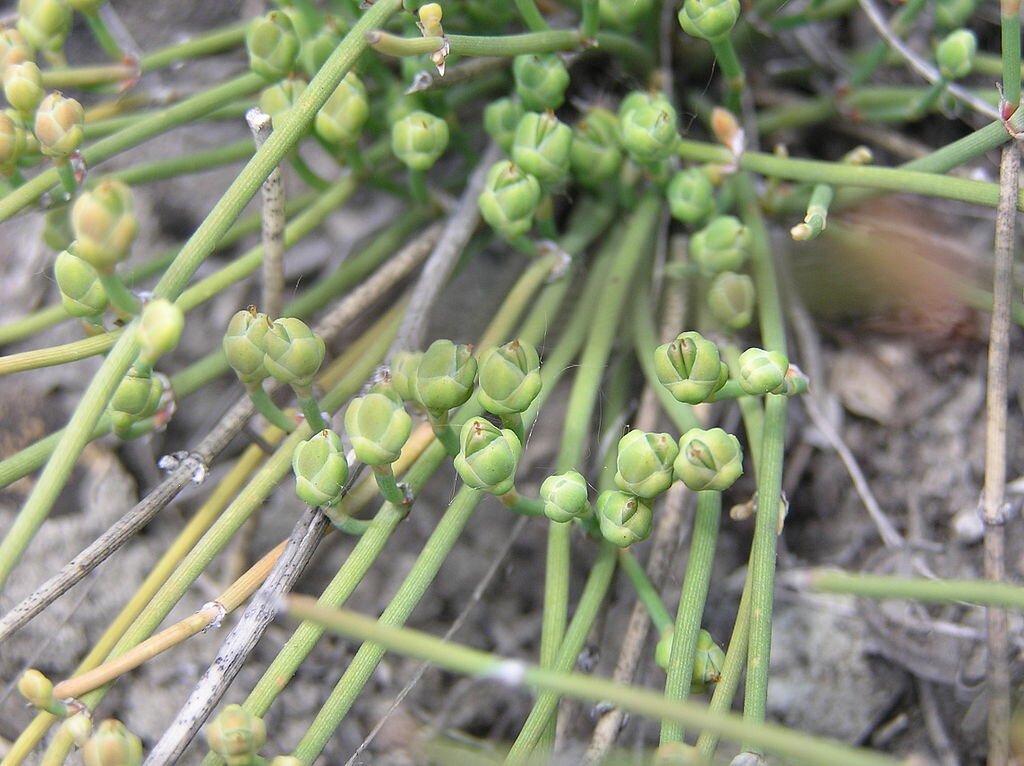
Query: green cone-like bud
[
  {"x": 488, "y": 456},
  {"x": 501, "y": 118},
  {"x": 624, "y": 518},
  {"x": 720, "y": 246},
  {"x": 708, "y": 459},
  {"x": 236, "y": 735},
  {"x": 564, "y": 496},
  {"x": 403, "y": 374},
  {"x": 445, "y": 376},
  {"x": 541, "y": 80},
  {"x": 12, "y": 143},
  {"x": 23, "y": 86},
  {"x": 245, "y": 345},
  {"x": 955, "y": 54},
  {"x": 509, "y": 378},
  {"x": 419, "y": 139},
  {"x": 707, "y": 662},
  {"x": 691, "y": 196},
  {"x": 690, "y": 367},
  {"x": 80, "y": 290},
  {"x": 953, "y": 14},
  {"x": 731, "y": 299},
  {"x": 45, "y": 24},
  {"x": 509, "y": 199},
  {"x": 595, "y": 157},
  {"x": 13, "y": 48},
  {"x": 762, "y": 372},
  {"x": 378, "y": 426},
  {"x": 159, "y": 329},
  {"x": 648, "y": 127},
  {"x": 104, "y": 223},
  {"x": 644, "y": 463},
  {"x": 137, "y": 397},
  {"x": 623, "y": 14},
  {"x": 36, "y": 688},
  {"x": 541, "y": 147},
  {"x": 294, "y": 352},
  {"x": 320, "y": 469},
  {"x": 340, "y": 121},
  {"x": 318, "y": 48},
  {"x": 58, "y": 125},
  {"x": 278, "y": 99},
  {"x": 272, "y": 44},
  {"x": 112, "y": 745},
  {"x": 709, "y": 19}
]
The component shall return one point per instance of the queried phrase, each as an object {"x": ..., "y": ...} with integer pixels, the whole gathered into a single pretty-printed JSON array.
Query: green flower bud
[
  {"x": 707, "y": 662},
  {"x": 623, "y": 14},
  {"x": 541, "y": 80},
  {"x": 445, "y": 376},
  {"x": 340, "y": 121},
  {"x": 23, "y": 86},
  {"x": 45, "y": 24},
  {"x": 79, "y": 726},
  {"x": 80, "y": 290},
  {"x": 541, "y": 147},
  {"x": 690, "y": 367},
  {"x": 12, "y": 143},
  {"x": 691, "y": 196},
  {"x": 245, "y": 345},
  {"x": 403, "y": 374},
  {"x": 112, "y": 745},
  {"x": 564, "y": 496},
  {"x": 953, "y": 14},
  {"x": 595, "y": 157},
  {"x": 159, "y": 328},
  {"x": 13, "y": 48},
  {"x": 648, "y": 128},
  {"x": 236, "y": 735},
  {"x": 731, "y": 299},
  {"x": 294, "y": 352},
  {"x": 378, "y": 426},
  {"x": 509, "y": 199},
  {"x": 709, "y": 19},
  {"x": 88, "y": 7},
  {"x": 720, "y": 246},
  {"x": 419, "y": 139},
  {"x": 644, "y": 463},
  {"x": 708, "y": 459},
  {"x": 317, "y": 49},
  {"x": 509, "y": 378},
  {"x": 501, "y": 118},
  {"x": 320, "y": 470},
  {"x": 272, "y": 44},
  {"x": 625, "y": 519},
  {"x": 488, "y": 456},
  {"x": 104, "y": 223},
  {"x": 762, "y": 372},
  {"x": 955, "y": 54},
  {"x": 137, "y": 397},
  {"x": 58, "y": 125},
  {"x": 36, "y": 688},
  {"x": 278, "y": 99}
]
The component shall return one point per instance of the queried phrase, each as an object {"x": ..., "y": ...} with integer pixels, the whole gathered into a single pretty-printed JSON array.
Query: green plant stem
[
  {"x": 389, "y": 489},
  {"x": 692, "y": 599},
  {"x": 645, "y": 591},
  {"x": 85, "y": 76},
  {"x": 196, "y": 162},
  {"x": 816, "y": 218},
  {"x": 982, "y": 592},
  {"x": 725, "y": 54},
  {"x": 122, "y": 300},
  {"x": 103, "y": 36},
  {"x": 645, "y": 341},
  {"x": 55, "y": 355},
  {"x": 901, "y": 22},
  {"x": 531, "y": 16},
  {"x": 525, "y": 506},
  {"x": 30, "y": 324},
  {"x": 439, "y": 421},
  {"x": 205, "y": 44},
  {"x": 1009, "y": 23},
  {"x": 266, "y": 407},
  {"x": 311, "y": 411},
  {"x": 418, "y": 187},
  {"x": 590, "y": 18}
]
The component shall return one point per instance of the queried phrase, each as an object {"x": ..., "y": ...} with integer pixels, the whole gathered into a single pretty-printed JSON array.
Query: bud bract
[
  {"x": 137, "y": 397},
  {"x": 762, "y": 372},
  {"x": 624, "y": 518},
  {"x": 23, "y": 86},
  {"x": 278, "y": 99},
  {"x": 564, "y": 496},
  {"x": 690, "y": 367},
  {"x": 709, "y": 459},
  {"x": 720, "y": 246},
  {"x": 509, "y": 378},
  {"x": 36, "y": 688},
  {"x": 58, "y": 125},
  {"x": 294, "y": 352},
  {"x": 623, "y": 14},
  {"x": 112, "y": 745},
  {"x": 159, "y": 328},
  {"x": 541, "y": 80},
  {"x": 644, "y": 463},
  {"x": 403, "y": 374},
  {"x": 955, "y": 54},
  {"x": 445, "y": 376},
  {"x": 272, "y": 45},
  {"x": 488, "y": 456},
  {"x": 45, "y": 24},
  {"x": 245, "y": 345},
  {"x": 709, "y": 19},
  {"x": 595, "y": 157},
  {"x": 509, "y": 199},
  {"x": 378, "y": 426},
  {"x": 12, "y": 143},
  {"x": 236, "y": 735},
  {"x": 419, "y": 139},
  {"x": 79, "y": 283},
  {"x": 13, "y": 48},
  {"x": 320, "y": 469},
  {"x": 501, "y": 118},
  {"x": 104, "y": 224},
  {"x": 648, "y": 127},
  {"x": 731, "y": 299},
  {"x": 541, "y": 147},
  {"x": 340, "y": 121},
  {"x": 691, "y": 196}
]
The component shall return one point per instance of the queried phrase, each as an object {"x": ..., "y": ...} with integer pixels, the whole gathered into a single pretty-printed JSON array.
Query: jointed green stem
[
  {"x": 982, "y": 592},
  {"x": 311, "y": 410},
  {"x": 444, "y": 432},
  {"x": 389, "y": 489},
  {"x": 1009, "y": 22},
  {"x": 725, "y": 54},
  {"x": 118, "y": 295},
  {"x": 590, "y": 18},
  {"x": 531, "y": 16},
  {"x": 645, "y": 591},
  {"x": 266, "y": 407}
]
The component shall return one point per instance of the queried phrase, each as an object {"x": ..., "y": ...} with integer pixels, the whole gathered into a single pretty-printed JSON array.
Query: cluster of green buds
[
  {"x": 23, "y": 87},
  {"x": 509, "y": 378},
  {"x": 690, "y": 367},
  {"x": 317, "y": 48},
  {"x": 104, "y": 225},
  {"x": 419, "y": 139},
  {"x": 81, "y": 292},
  {"x": 711, "y": 20},
  {"x": 159, "y": 330},
  {"x": 595, "y": 157},
  {"x": 644, "y": 463},
  {"x": 731, "y": 299},
  {"x": 509, "y": 199},
  {"x": 720, "y": 246},
  {"x": 279, "y": 99},
  {"x": 501, "y": 118},
  {"x": 236, "y": 735},
  {"x": 541, "y": 80},
  {"x": 707, "y": 661},
  {"x": 58, "y": 125},
  {"x": 565, "y": 497},
  {"x": 708, "y": 460},
  {"x": 378, "y": 426},
  {"x": 623, "y": 14},
  {"x": 13, "y": 143},
  {"x": 624, "y": 518},
  {"x": 137, "y": 397},
  {"x": 648, "y": 127},
  {"x": 294, "y": 353},
  {"x": 272, "y": 45},
  {"x": 955, "y": 54},
  {"x": 112, "y": 744},
  {"x": 488, "y": 456},
  {"x": 340, "y": 121},
  {"x": 445, "y": 376},
  {"x": 45, "y": 24},
  {"x": 245, "y": 345},
  {"x": 541, "y": 147},
  {"x": 691, "y": 196},
  {"x": 763, "y": 372},
  {"x": 320, "y": 469},
  {"x": 403, "y": 374}
]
